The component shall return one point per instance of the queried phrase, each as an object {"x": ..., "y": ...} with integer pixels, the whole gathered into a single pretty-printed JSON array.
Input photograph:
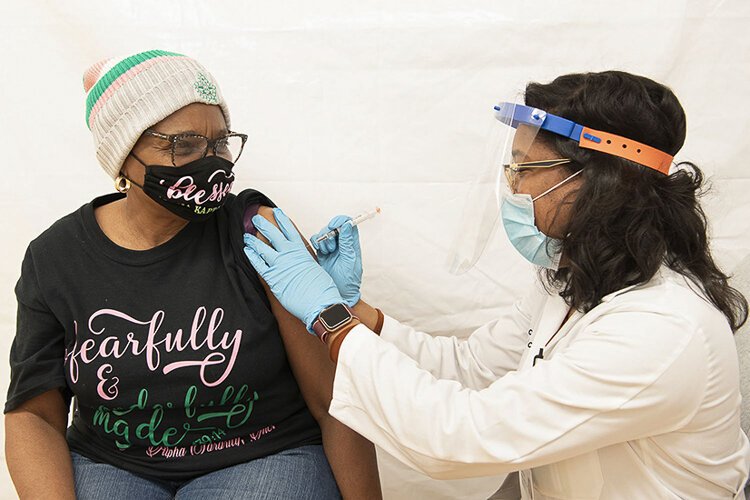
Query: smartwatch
[{"x": 332, "y": 319}]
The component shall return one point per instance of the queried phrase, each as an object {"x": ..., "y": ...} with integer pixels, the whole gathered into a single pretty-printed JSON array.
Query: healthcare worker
[{"x": 616, "y": 377}]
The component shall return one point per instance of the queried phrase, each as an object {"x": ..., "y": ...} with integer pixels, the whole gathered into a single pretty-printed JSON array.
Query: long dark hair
[{"x": 628, "y": 220}]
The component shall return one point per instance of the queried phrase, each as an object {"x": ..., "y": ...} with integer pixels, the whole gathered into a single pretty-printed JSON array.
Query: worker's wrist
[
  {"x": 334, "y": 340},
  {"x": 368, "y": 315}
]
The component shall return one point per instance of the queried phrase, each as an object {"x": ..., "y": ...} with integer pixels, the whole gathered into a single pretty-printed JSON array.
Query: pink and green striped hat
[{"x": 125, "y": 96}]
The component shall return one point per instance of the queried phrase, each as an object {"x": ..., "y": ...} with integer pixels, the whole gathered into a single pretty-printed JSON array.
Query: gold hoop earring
[{"x": 121, "y": 186}]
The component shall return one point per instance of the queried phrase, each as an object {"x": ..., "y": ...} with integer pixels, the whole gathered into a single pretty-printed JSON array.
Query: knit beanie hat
[{"x": 125, "y": 96}]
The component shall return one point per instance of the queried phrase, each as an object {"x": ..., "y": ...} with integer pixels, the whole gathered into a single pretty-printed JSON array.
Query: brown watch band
[
  {"x": 381, "y": 320},
  {"x": 335, "y": 347}
]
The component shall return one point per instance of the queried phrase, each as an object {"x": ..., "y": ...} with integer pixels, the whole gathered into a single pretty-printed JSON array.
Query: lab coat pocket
[{"x": 578, "y": 478}]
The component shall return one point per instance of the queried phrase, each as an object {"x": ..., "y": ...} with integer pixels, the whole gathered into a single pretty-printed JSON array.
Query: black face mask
[{"x": 194, "y": 191}]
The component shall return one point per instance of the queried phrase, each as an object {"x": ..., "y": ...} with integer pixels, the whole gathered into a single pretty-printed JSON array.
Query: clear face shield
[
  {"x": 510, "y": 151},
  {"x": 515, "y": 129}
]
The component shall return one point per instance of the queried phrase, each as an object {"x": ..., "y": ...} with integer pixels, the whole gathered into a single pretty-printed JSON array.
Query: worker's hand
[
  {"x": 341, "y": 257},
  {"x": 300, "y": 284}
]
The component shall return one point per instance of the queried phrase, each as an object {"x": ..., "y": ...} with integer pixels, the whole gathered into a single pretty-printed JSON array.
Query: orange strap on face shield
[
  {"x": 513, "y": 114},
  {"x": 626, "y": 148}
]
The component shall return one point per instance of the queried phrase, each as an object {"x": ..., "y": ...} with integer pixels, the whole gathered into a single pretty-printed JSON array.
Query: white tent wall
[{"x": 351, "y": 105}]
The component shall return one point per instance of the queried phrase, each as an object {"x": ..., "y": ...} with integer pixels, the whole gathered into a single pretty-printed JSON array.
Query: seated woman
[{"x": 142, "y": 305}]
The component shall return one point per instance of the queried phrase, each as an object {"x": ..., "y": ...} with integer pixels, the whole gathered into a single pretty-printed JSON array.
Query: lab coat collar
[
  {"x": 614, "y": 294},
  {"x": 662, "y": 274},
  {"x": 553, "y": 318},
  {"x": 555, "y": 309}
]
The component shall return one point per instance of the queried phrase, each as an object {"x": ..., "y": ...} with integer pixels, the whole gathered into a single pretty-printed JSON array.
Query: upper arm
[
  {"x": 50, "y": 406},
  {"x": 307, "y": 355},
  {"x": 267, "y": 213},
  {"x": 38, "y": 351}
]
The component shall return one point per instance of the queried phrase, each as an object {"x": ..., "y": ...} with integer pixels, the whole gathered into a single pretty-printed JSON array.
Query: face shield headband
[{"x": 612, "y": 144}]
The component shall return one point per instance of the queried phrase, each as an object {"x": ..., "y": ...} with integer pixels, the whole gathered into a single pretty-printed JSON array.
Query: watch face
[{"x": 335, "y": 316}]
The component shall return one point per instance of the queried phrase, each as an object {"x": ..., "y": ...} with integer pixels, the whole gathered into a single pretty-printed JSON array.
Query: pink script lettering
[
  {"x": 223, "y": 347},
  {"x": 186, "y": 189}
]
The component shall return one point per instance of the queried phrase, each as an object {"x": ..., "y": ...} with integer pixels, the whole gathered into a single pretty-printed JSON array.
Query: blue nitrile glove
[
  {"x": 341, "y": 257},
  {"x": 300, "y": 284}
]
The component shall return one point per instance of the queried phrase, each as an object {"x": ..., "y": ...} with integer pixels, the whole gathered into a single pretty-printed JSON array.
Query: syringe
[{"x": 352, "y": 222}]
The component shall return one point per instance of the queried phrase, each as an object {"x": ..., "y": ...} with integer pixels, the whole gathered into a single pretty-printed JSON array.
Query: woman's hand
[
  {"x": 341, "y": 257},
  {"x": 300, "y": 284}
]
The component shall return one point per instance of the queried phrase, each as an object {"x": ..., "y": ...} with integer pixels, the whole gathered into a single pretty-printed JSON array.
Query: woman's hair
[{"x": 627, "y": 220}]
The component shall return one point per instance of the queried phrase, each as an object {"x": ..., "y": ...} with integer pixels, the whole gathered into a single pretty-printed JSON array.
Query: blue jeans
[{"x": 299, "y": 473}]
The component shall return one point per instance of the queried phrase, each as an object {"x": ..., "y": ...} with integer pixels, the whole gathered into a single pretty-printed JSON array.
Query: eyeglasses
[
  {"x": 513, "y": 169},
  {"x": 190, "y": 147}
]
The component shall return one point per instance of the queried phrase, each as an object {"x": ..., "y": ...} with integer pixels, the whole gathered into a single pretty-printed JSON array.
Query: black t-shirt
[{"x": 173, "y": 354}]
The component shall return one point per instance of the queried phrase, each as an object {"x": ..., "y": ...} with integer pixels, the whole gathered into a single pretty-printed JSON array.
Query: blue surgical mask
[{"x": 517, "y": 211}]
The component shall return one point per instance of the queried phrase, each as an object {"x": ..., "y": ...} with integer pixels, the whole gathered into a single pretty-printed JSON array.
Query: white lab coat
[{"x": 638, "y": 398}]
